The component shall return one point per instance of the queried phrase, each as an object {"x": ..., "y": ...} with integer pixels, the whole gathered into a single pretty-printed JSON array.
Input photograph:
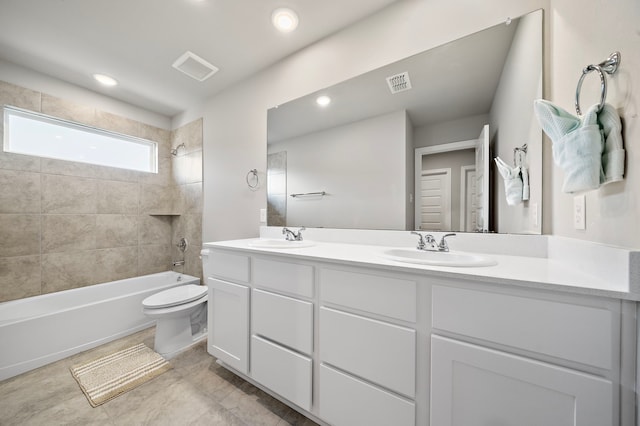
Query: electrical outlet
[
  {"x": 579, "y": 212},
  {"x": 263, "y": 215},
  {"x": 534, "y": 215}
]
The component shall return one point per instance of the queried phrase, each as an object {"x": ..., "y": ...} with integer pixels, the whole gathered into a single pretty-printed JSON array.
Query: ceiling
[{"x": 137, "y": 41}]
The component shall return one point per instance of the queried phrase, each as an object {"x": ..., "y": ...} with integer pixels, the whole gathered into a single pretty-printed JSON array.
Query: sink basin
[
  {"x": 280, "y": 244},
  {"x": 439, "y": 258}
]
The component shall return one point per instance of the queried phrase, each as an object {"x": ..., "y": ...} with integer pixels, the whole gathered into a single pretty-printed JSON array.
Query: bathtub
[{"x": 42, "y": 329}]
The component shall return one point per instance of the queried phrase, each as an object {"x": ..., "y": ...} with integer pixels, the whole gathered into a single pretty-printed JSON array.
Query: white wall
[
  {"x": 235, "y": 120},
  {"x": 361, "y": 166},
  {"x": 583, "y": 33},
  {"x": 514, "y": 124}
]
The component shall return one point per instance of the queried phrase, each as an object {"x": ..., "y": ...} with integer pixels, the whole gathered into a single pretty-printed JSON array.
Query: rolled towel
[
  {"x": 577, "y": 145},
  {"x": 613, "y": 153},
  {"x": 512, "y": 182}
]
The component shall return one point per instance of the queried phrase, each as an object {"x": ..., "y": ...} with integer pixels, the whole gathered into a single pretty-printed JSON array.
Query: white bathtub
[{"x": 39, "y": 330}]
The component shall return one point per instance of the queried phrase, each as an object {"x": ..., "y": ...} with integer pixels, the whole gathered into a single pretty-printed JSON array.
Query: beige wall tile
[
  {"x": 114, "y": 173},
  {"x": 193, "y": 173},
  {"x": 164, "y": 176},
  {"x": 161, "y": 136},
  {"x": 114, "y": 230},
  {"x": 9, "y": 161},
  {"x": 20, "y": 97},
  {"x": 68, "y": 232},
  {"x": 116, "y": 123},
  {"x": 63, "y": 271},
  {"x": 19, "y": 192},
  {"x": 116, "y": 264},
  {"x": 66, "y": 194},
  {"x": 52, "y": 166},
  {"x": 19, "y": 235},
  {"x": 156, "y": 199},
  {"x": 117, "y": 197},
  {"x": 191, "y": 198},
  {"x": 154, "y": 230},
  {"x": 154, "y": 258},
  {"x": 19, "y": 277},
  {"x": 190, "y": 135},
  {"x": 68, "y": 110}
]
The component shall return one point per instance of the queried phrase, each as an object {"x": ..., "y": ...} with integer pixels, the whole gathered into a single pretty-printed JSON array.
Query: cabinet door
[
  {"x": 377, "y": 351},
  {"x": 229, "y": 323},
  {"x": 476, "y": 386},
  {"x": 283, "y": 371},
  {"x": 347, "y": 401},
  {"x": 283, "y": 319}
]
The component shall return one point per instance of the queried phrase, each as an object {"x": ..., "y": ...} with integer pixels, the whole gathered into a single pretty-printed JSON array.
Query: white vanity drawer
[
  {"x": 283, "y": 371},
  {"x": 391, "y": 297},
  {"x": 225, "y": 265},
  {"x": 568, "y": 331},
  {"x": 283, "y": 276},
  {"x": 347, "y": 401},
  {"x": 283, "y": 319},
  {"x": 374, "y": 350}
]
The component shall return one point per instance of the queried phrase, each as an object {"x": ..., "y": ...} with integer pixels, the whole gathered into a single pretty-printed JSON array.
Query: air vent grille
[
  {"x": 399, "y": 82},
  {"x": 194, "y": 66}
]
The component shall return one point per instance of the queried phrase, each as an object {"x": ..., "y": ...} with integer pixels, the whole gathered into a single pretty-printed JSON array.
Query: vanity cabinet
[
  {"x": 528, "y": 360},
  {"x": 351, "y": 343},
  {"x": 229, "y": 323}
]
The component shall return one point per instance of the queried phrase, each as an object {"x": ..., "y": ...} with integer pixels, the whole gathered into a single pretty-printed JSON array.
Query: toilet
[{"x": 181, "y": 317}]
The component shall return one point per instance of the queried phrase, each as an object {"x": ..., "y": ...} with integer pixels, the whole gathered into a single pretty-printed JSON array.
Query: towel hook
[{"x": 610, "y": 66}]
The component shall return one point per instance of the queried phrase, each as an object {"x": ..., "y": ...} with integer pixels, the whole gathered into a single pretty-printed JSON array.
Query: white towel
[
  {"x": 613, "y": 154},
  {"x": 512, "y": 182},
  {"x": 577, "y": 145}
]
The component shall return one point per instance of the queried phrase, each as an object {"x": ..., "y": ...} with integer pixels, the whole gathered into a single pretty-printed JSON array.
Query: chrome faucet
[
  {"x": 443, "y": 246},
  {"x": 424, "y": 240},
  {"x": 290, "y": 235},
  {"x": 428, "y": 242}
]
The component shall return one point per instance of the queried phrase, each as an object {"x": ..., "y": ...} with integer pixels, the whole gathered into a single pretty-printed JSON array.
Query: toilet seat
[{"x": 175, "y": 296}]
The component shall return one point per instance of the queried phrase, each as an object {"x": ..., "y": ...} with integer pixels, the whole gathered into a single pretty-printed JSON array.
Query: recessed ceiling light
[
  {"x": 105, "y": 80},
  {"x": 284, "y": 20},
  {"x": 323, "y": 100}
]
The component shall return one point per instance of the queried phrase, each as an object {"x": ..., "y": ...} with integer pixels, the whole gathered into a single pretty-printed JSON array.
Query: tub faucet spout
[{"x": 178, "y": 263}]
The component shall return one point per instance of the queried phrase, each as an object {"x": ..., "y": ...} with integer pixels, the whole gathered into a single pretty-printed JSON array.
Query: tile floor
[{"x": 197, "y": 391}]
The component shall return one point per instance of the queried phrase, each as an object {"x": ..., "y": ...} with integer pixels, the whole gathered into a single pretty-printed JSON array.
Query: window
[{"x": 31, "y": 133}]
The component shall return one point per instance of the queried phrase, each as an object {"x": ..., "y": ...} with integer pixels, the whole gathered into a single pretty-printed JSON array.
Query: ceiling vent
[
  {"x": 194, "y": 66},
  {"x": 399, "y": 82}
]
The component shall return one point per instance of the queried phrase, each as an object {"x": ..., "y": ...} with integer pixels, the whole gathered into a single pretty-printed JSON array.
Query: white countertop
[{"x": 548, "y": 272}]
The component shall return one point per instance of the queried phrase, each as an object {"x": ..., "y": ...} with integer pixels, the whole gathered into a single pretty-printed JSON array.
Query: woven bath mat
[{"x": 112, "y": 375}]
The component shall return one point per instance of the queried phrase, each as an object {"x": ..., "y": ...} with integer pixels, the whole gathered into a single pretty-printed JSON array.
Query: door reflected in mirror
[{"x": 368, "y": 151}]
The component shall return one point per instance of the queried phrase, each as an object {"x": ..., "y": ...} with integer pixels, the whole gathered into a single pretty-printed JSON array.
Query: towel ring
[
  {"x": 252, "y": 179},
  {"x": 609, "y": 66},
  {"x": 603, "y": 87}
]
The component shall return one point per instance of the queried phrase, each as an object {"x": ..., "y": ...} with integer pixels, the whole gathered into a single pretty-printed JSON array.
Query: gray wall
[
  {"x": 65, "y": 224},
  {"x": 514, "y": 124},
  {"x": 362, "y": 167}
]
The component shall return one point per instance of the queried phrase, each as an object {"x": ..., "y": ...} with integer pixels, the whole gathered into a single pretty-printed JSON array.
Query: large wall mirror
[{"x": 411, "y": 145}]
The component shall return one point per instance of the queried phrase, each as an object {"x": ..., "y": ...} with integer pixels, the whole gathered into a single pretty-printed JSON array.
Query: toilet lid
[{"x": 175, "y": 296}]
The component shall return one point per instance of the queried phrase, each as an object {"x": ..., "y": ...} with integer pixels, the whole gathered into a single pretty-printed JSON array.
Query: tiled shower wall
[{"x": 65, "y": 224}]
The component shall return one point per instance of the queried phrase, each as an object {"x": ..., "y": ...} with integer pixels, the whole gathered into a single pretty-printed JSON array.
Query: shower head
[{"x": 174, "y": 151}]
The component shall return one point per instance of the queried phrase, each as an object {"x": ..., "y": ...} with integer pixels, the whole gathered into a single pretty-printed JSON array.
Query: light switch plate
[
  {"x": 579, "y": 213},
  {"x": 263, "y": 215}
]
